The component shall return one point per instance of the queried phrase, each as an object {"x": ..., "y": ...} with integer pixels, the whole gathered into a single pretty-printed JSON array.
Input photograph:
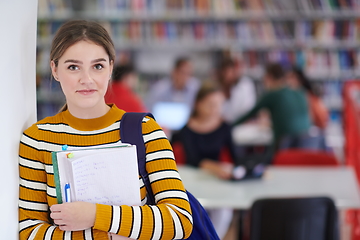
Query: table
[{"x": 339, "y": 183}]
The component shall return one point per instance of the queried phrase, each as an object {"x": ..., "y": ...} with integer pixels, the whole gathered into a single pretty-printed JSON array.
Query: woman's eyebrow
[
  {"x": 98, "y": 60},
  {"x": 78, "y": 61},
  {"x": 73, "y": 61}
]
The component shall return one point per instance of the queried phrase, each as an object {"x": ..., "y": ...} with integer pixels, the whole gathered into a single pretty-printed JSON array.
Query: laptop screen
[{"x": 171, "y": 115}]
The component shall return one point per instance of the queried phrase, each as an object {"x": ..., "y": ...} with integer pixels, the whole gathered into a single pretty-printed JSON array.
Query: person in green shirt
[{"x": 288, "y": 109}]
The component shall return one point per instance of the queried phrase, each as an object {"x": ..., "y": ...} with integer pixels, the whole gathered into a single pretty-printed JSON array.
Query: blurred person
[
  {"x": 207, "y": 144},
  {"x": 239, "y": 90},
  {"x": 288, "y": 110},
  {"x": 180, "y": 87},
  {"x": 319, "y": 113},
  {"x": 121, "y": 92}
]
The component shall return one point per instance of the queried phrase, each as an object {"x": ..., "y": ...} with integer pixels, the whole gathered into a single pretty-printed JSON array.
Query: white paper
[{"x": 106, "y": 176}]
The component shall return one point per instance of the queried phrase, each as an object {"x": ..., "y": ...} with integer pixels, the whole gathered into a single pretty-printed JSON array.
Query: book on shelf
[
  {"x": 223, "y": 7},
  {"x": 105, "y": 175},
  {"x": 196, "y": 7},
  {"x": 317, "y": 63},
  {"x": 46, "y": 7},
  {"x": 314, "y": 33},
  {"x": 320, "y": 36}
]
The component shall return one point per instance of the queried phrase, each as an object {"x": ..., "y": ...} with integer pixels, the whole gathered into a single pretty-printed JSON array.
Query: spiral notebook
[{"x": 107, "y": 175}]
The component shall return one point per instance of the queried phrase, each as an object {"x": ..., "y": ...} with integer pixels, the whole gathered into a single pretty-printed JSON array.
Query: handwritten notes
[{"x": 106, "y": 176}]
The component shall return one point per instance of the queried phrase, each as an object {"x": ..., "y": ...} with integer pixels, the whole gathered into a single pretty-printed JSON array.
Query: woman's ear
[{"x": 54, "y": 70}]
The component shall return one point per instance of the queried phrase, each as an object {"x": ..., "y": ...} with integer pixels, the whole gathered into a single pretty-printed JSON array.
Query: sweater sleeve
[
  {"x": 171, "y": 217},
  {"x": 35, "y": 193}
]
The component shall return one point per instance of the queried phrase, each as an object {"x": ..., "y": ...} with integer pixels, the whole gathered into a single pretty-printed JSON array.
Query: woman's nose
[{"x": 85, "y": 77}]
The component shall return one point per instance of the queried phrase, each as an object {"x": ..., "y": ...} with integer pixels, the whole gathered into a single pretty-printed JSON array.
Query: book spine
[{"x": 57, "y": 178}]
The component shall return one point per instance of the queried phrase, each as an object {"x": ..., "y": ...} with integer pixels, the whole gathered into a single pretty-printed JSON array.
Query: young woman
[
  {"x": 206, "y": 137},
  {"x": 204, "y": 140},
  {"x": 82, "y": 57}
]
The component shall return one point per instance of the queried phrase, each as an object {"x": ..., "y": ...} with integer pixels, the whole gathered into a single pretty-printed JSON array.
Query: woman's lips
[{"x": 86, "y": 91}]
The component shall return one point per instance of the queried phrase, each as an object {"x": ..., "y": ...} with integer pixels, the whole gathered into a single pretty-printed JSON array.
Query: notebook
[{"x": 107, "y": 175}]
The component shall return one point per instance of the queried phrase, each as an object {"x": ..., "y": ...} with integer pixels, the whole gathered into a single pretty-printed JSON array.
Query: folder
[{"x": 105, "y": 175}]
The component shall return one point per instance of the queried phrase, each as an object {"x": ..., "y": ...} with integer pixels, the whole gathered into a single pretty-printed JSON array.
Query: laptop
[{"x": 171, "y": 115}]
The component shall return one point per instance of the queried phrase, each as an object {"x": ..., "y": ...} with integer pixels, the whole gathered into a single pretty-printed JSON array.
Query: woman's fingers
[
  {"x": 59, "y": 222},
  {"x": 55, "y": 215},
  {"x": 56, "y": 208},
  {"x": 65, "y": 228}
]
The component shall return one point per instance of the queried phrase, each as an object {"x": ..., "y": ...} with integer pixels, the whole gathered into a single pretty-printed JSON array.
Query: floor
[{"x": 232, "y": 234}]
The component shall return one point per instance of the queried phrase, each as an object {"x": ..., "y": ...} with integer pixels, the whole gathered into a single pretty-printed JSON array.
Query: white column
[{"x": 18, "y": 20}]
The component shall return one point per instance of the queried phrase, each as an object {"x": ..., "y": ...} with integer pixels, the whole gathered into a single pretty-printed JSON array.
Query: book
[{"x": 104, "y": 175}]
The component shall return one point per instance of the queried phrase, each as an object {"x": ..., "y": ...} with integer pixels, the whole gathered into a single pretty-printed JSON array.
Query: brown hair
[
  {"x": 179, "y": 62},
  {"x": 224, "y": 65},
  {"x": 121, "y": 71},
  {"x": 275, "y": 71},
  {"x": 205, "y": 90},
  {"x": 80, "y": 30}
]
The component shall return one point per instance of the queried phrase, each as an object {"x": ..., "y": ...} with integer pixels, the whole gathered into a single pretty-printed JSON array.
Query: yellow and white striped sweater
[{"x": 170, "y": 218}]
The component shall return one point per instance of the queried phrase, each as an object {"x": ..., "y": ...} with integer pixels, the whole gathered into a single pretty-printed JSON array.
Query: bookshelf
[{"x": 321, "y": 36}]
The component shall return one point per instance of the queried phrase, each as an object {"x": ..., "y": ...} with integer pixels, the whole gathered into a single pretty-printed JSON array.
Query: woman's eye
[
  {"x": 98, "y": 66},
  {"x": 73, "y": 67}
]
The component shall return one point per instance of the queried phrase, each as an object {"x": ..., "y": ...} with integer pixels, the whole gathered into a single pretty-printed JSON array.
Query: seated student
[
  {"x": 204, "y": 139},
  {"x": 288, "y": 109},
  {"x": 121, "y": 93}
]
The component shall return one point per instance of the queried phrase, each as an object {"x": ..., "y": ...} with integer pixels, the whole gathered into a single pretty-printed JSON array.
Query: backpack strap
[{"x": 131, "y": 132}]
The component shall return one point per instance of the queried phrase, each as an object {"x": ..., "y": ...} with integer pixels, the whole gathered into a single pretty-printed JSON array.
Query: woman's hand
[
  {"x": 221, "y": 170},
  {"x": 74, "y": 216},
  {"x": 225, "y": 171}
]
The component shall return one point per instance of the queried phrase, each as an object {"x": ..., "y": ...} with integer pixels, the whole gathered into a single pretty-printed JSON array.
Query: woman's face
[
  {"x": 182, "y": 74},
  {"x": 84, "y": 71},
  {"x": 228, "y": 75},
  {"x": 211, "y": 105}
]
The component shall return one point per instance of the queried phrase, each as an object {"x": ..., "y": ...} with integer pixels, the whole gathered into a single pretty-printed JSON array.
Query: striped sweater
[{"x": 170, "y": 218}]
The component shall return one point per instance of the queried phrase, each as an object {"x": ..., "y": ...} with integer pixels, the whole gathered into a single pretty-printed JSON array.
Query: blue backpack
[{"x": 131, "y": 132}]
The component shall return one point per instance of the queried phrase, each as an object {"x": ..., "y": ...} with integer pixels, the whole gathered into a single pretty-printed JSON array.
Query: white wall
[{"x": 18, "y": 100}]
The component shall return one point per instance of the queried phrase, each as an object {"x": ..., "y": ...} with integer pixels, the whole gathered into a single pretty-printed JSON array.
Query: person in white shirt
[
  {"x": 180, "y": 87},
  {"x": 239, "y": 90}
]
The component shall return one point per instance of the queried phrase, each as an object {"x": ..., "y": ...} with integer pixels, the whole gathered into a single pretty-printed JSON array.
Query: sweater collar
[{"x": 113, "y": 115}]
